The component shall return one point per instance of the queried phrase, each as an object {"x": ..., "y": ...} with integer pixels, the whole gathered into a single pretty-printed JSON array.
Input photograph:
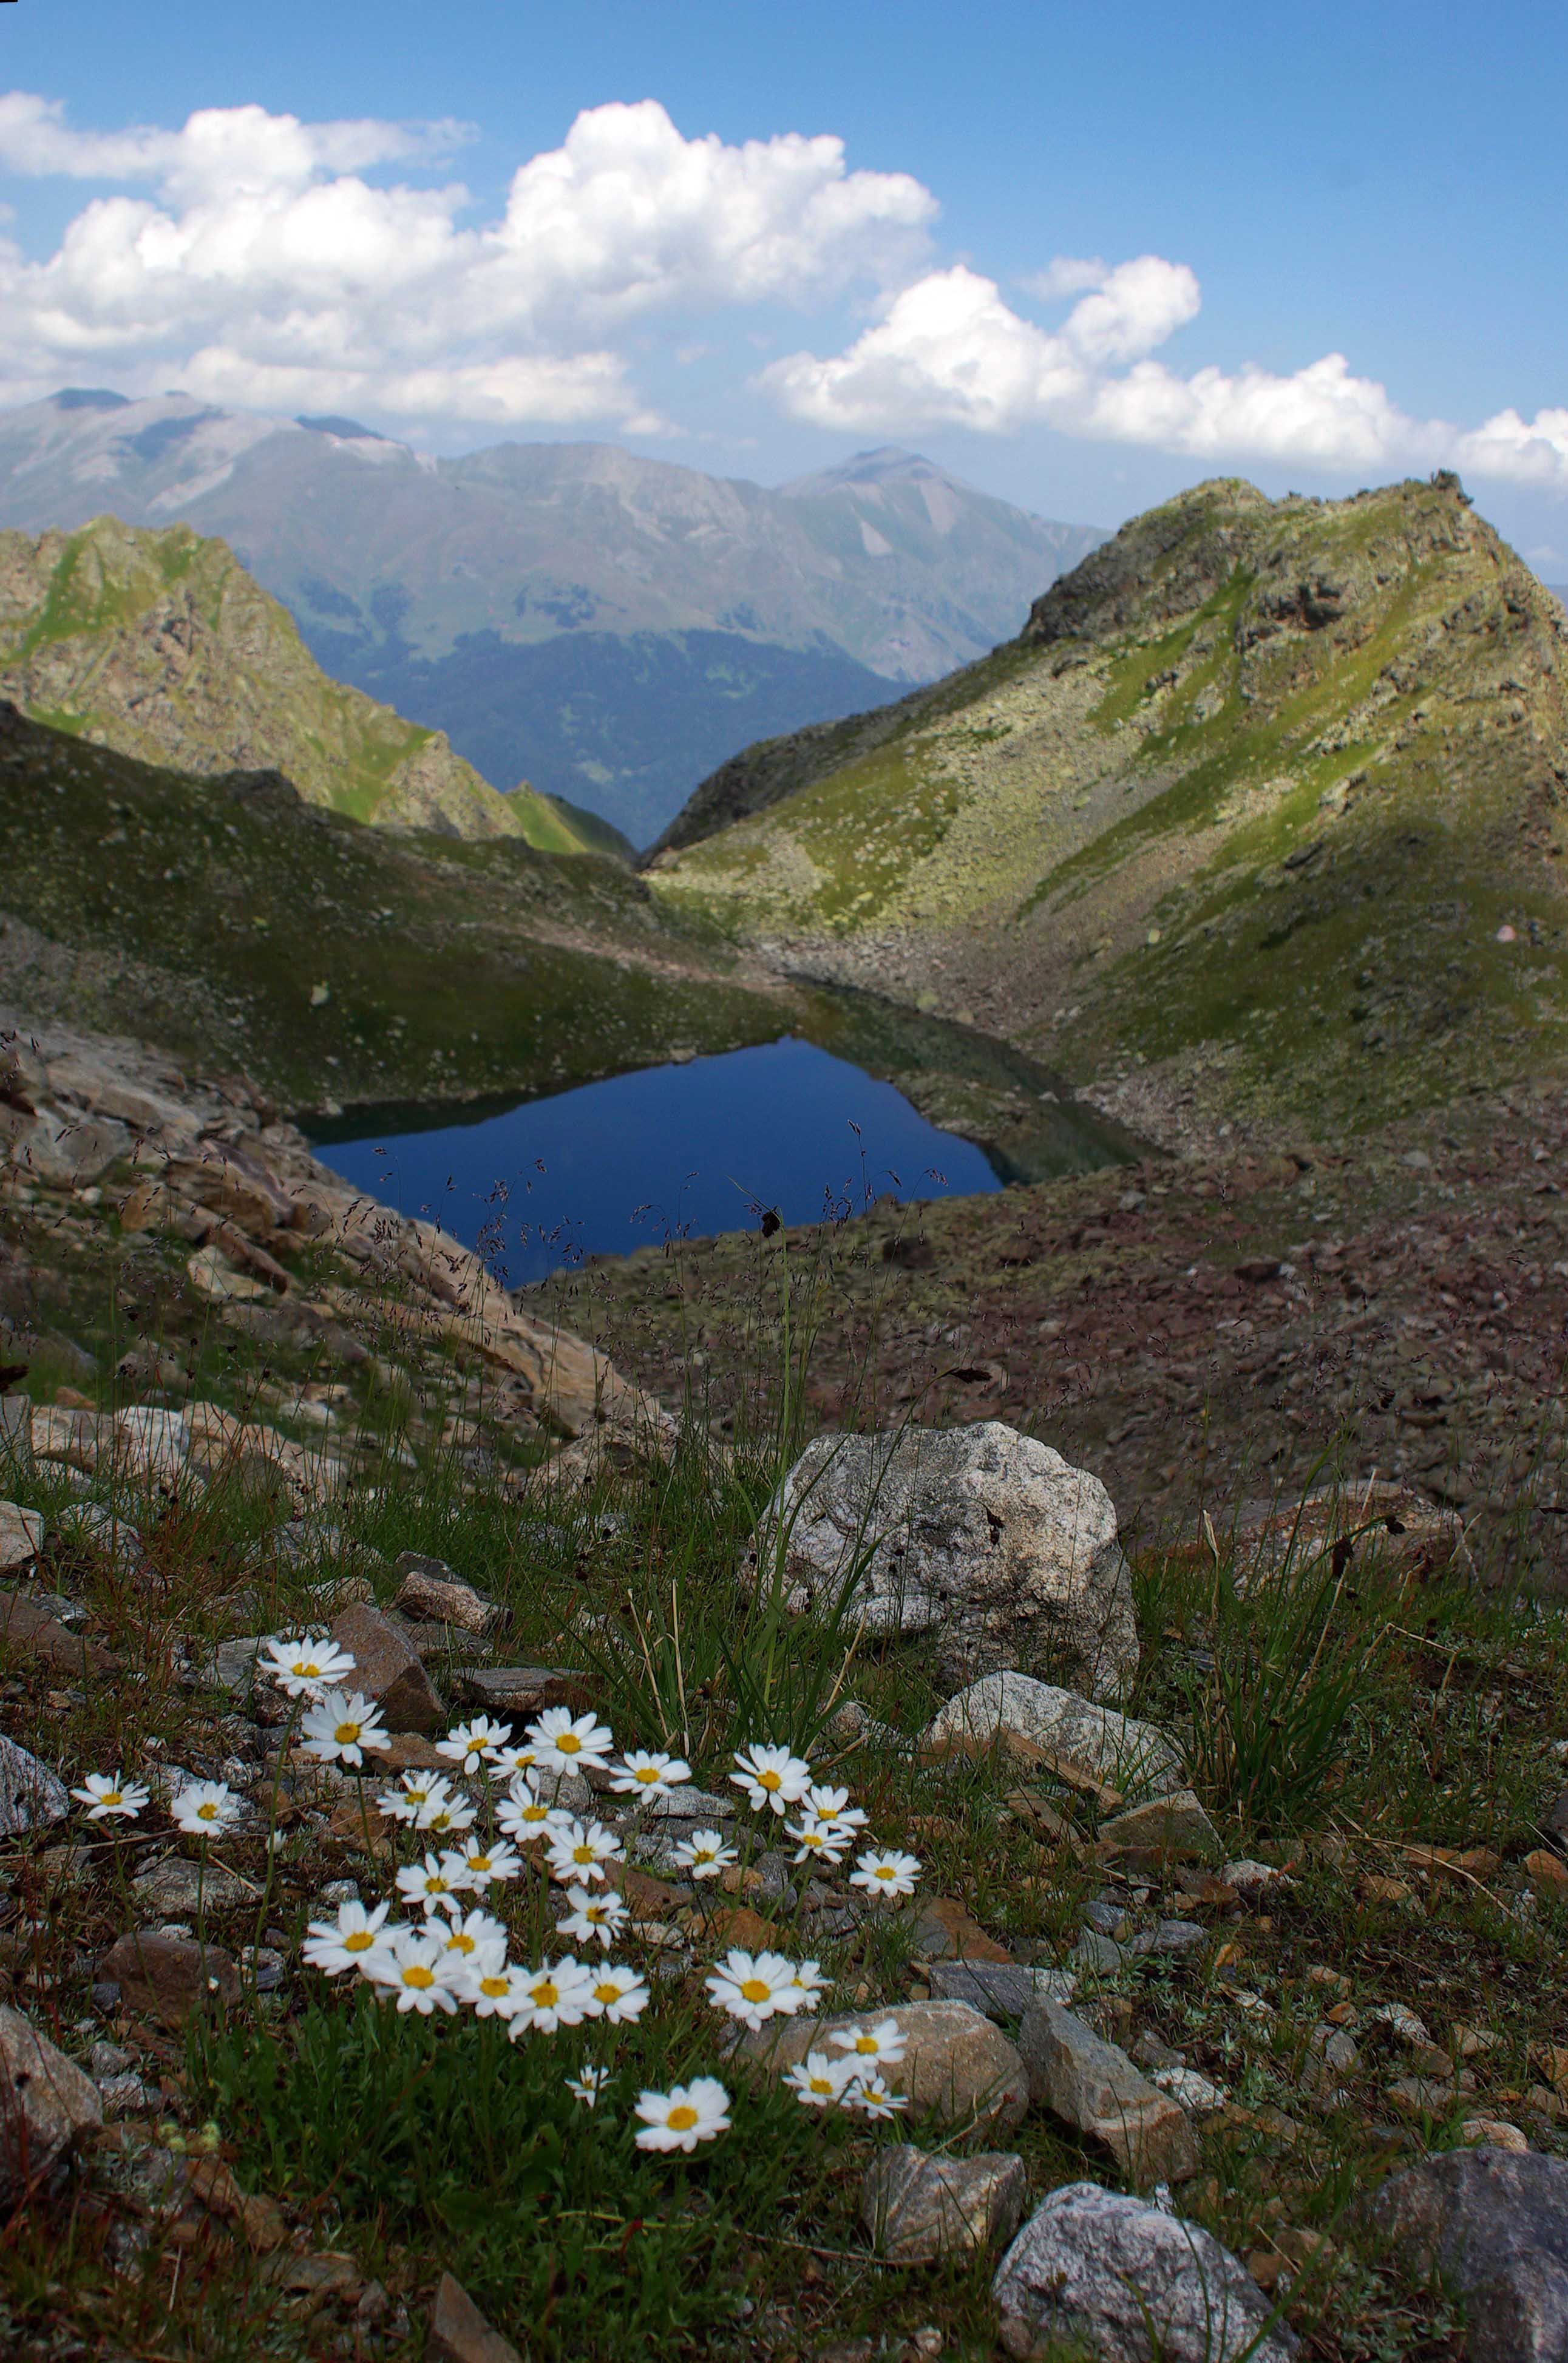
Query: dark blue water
[{"x": 668, "y": 1150}]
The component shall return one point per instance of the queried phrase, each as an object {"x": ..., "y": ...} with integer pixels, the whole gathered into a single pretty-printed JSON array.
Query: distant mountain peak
[
  {"x": 348, "y": 430},
  {"x": 888, "y": 464},
  {"x": 89, "y": 397}
]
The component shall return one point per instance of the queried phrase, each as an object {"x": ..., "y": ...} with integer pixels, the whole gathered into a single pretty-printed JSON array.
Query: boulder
[
  {"x": 1131, "y": 2284},
  {"x": 917, "y": 2207},
  {"x": 523, "y": 1690},
  {"x": 1061, "y": 1730},
  {"x": 1379, "y": 1521},
  {"x": 182, "y": 1889},
  {"x": 431, "y": 1592},
  {"x": 152, "y": 1442},
  {"x": 67, "y": 1152},
  {"x": 956, "y": 2067},
  {"x": 1002, "y": 1990},
  {"x": 167, "y": 1978},
  {"x": 1163, "y": 1830},
  {"x": 1095, "y": 2087},
  {"x": 31, "y": 1796},
  {"x": 459, "y": 2332},
  {"x": 46, "y": 2103},
  {"x": 21, "y": 1536},
  {"x": 981, "y": 1536},
  {"x": 28, "y": 1632},
  {"x": 945, "y": 1931},
  {"x": 1494, "y": 2224},
  {"x": 387, "y": 1668}
]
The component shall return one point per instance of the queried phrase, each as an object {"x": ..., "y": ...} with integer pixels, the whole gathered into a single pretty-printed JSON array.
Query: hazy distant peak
[
  {"x": 888, "y": 464},
  {"x": 347, "y": 430},
  {"x": 89, "y": 397}
]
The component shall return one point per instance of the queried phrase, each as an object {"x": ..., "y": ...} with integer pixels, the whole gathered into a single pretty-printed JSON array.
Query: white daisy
[
  {"x": 476, "y": 1937},
  {"x": 508, "y": 1761},
  {"x": 704, "y": 1854},
  {"x": 685, "y": 2115},
  {"x": 809, "y": 1984},
  {"x": 204, "y": 1808},
  {"x": 640, "y": 1773},
  {"x": 581, "y": 1851},
  {"x": 448, "y": 1817},
  {"x": 107, "y": 1796},
  {"x": 422, "y": 1975},
  {"x": 570, "y": 1743},
  {"x": 818, "y": 2082},
  {"x": 771, "y": 1778},
  {"x": 470, "y": 1745},
  {"x": 873, "y": 2096},
  {"x": 342, "y": 1944},
  {"x": 524, "y": 1815},
  {"x": 818, "y": 1841},
  {"x": 753, "y": 1986},
  {"x": 487, "y": 1863},
  {"x": 826, "y": 1805},
  {"x": 889, "y": 1874},
  {"x": 495, "y": 1988},
  {"x": 429, "y": 1885},
  {"x": 873, "y": 2046},
  {"x": 616, "y": 1994},
  {"x": 305, "y": 1668},
  {"x": 417, "y": 1796},
  {"x": 602, "y": 1916},
  {"x": 587, "y": 2084},
  {"x": 560, "y": 1994},
  {"x": 340, "y": 1727}
]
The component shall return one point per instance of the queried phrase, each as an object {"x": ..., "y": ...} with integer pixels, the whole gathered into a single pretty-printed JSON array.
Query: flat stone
[
  {"x": 1190, "y": 2091},
  {"x": 1095, "y": 2087},
  {"x": 1126, "y": 2281},
  {"x": 31, "y": 1796},
  {"x": 167, "y": 1978},
  {"x": 151, "y": 1441},
  {"x": 697, "y": 1806},
  {"x": 1165, "y": 1830},
  {"x": 431, "y": 1592},
  {"x": 1496, "y": 2224},
  {"x": 1174, "y": 1936},
  {"x": 982, "y": 1537},
  {"x": 47, "y": 2104},
  {"x": 36, "y": 1637},
  {"x": 1494, "y": 2133},
  {"x": 180, "y": 1890},
  {"x": 944, "y": 1931},
  {"x": 956, "y": 2067},
  {"x": 917, "y": 2207},
  {"x": 21, "y": 1536},
  {"x": 522, "y": 1690},
  {"x": 1000, "y": 1989},
  {"x": 459, "y": 2332},
  {"x": 1100, "y": 1957},
  {"x": 1355, "y": 1526},
  {"x": 387, "y": 1669},
  {"x": 1053, "y": 1727}
]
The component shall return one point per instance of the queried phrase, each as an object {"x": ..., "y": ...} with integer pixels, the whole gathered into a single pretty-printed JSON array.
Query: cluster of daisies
[{"x": 455, "y": 1954}]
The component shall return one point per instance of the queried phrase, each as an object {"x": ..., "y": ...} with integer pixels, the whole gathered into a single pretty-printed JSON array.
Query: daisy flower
[
  {"x": 640, "y": 1773},
  {"x": 602, "y": 1916},
  {"x": 616, "y": 1994},
  {"x": 581, "y": 1851},
  {"x": 685, "y": 2115},
  {"x": 770, "y": 1777},
  {"x": 204, "y": 1808},
  {"x": 485, "y": 1863},
  {"x": 818, "y": 1841},
  {"x": 414, "y": 1966},
  {"x": 342, "y": 1944},
  {"x": 889, "y": 1874},
  {"x": 339, "y": 1728},
  {"x": 470, "y": 1745},
  {"x": 587, "y": 2084},
  {"x": 809, "y": 1984},
  {"x": 428, "y": 1884},
  {"x": 831, "y": 1807},
  {"x": 560, "y": 1994},
  {"x": 451, "y": 1813},
  {"x": 565, "y": 1742},
  {"x": 818, "y": 2082},
  {"x": 417, "y": 1794},
  {"x": 524, "y": 1815},
  {"x": 475, "y": 1937},
  {"x": 873, "y": 2096},
  {"x": 510, "y": 1760},
  {"x": 305, "y": 1669},
  {"x": 871, "y": 2047},
  {"x": 753, "y": 1986},
  {"x": 106, "y": 1794},
  {"x": 493, "y": 1988},
  {"x": 704, "y": 1854}
]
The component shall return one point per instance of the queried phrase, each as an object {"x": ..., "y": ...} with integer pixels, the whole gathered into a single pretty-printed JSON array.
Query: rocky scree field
[{"x": 1264, "y": 804}]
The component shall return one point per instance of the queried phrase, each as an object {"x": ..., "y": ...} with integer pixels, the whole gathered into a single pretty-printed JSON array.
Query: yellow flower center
[
  {"x": 546, "y": 1995},
  {"x": 113, "y": 1797},
  {"x": 867, "y": 2043},
  {"x": 755, "y": 1989},
  {"x": 607, "y": 1993},
  {"x": 569, "y": 1743},
  {"x": 771, "y": 1781},
  {"x": 479, "y": 1864},
  {"x": 360, "y": 1941},
  {"x": 648, "y": 1774},
  {"x": 820, "y": 2084},
  {"x": 492, "y": 1985},
  {"x": 536, "y": 1813},
  {"x": 347, "y": 1733},
  {"x": 683, "y": 2119},
  {"x": 458, "y": 1943},
  {"x": 207, "y": 1813},
  {"x": 884, "y": 1870},
  {"x": 582, "y": 1854},
  {"x": 416, "y": 1974}
]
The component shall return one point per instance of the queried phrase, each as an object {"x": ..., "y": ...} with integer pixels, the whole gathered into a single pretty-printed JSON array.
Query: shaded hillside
[
  {"x": 225, "y": 920},
  {"x": 161, "y": 646},
  {"x": 1264, "y": 806}
]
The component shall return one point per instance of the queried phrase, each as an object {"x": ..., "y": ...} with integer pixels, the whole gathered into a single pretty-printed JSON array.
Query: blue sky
[{"x": 1229, "y": 199}]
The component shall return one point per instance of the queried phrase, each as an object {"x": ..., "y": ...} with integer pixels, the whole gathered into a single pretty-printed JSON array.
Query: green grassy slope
[
  {"x": 223, "y": 917},
  {"x": 160, "y": 645},
  {"x": 1252, "y": 795}
]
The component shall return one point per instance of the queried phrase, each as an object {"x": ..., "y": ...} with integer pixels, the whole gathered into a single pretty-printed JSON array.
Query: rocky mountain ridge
[
  {"x": 160, "y": 645},
  {"x": 1262, "y": 806}
]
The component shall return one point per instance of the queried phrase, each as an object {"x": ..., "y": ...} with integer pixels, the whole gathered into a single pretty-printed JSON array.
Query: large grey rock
[
  {"x": 387, "y": 1668},
  {"x": 956, "y": 2067},
  {"x": 1132, "y": 1757},
  {"x": 1095, "y": 2087},
  {"x": 917, "y": 2207},
  {"x": 179, "y": 1890},
  {"x": 31, "y": 1796},
  {"x": 167, "y": 1978},
  {"x": 1496, "y": 2224},
  {"x": 1000, "y": 1989},
  {"x": 1132, "y": 2284},
  {"x": 980, "y": 1535},
  {"x": 1163, "y": 1830},
  {"x": 67, "y": 1151},
  {"x": 433, "y": 1593},
  {"x": 46, "y": 2103},
  {"x": 21, "y": 1536}
]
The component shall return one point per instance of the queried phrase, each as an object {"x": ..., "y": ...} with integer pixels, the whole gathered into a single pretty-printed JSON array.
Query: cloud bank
[{"x": 247, "y": 258}]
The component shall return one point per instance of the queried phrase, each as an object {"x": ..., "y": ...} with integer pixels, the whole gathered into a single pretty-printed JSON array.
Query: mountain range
[
  {"x": 1263, "y": 812},
  {"x": 610, "y": 627}
]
